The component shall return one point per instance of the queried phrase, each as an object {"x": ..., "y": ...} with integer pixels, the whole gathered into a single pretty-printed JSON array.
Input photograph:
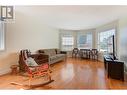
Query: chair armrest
[
  {"x": 40, "y": 58},
  {"x": 41, "y": 67},
  {"x": 115, "y": 61}
]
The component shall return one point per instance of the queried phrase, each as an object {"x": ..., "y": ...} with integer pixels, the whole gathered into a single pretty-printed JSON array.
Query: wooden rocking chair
[{"x": 34, "y": 71}]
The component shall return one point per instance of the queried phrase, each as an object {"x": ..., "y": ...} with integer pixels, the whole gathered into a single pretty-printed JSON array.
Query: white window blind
[
  {"x": 84, "y": 41},
  {"x": 67, "y": 42}
]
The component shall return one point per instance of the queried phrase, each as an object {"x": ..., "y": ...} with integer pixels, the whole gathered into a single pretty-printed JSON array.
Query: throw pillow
[{"x": 58, "y": 51}]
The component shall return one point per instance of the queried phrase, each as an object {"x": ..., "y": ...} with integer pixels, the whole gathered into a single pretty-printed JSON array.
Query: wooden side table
[{"x": 14, "y": 69}]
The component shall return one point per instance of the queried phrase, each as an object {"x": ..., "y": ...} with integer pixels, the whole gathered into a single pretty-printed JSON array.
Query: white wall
[
  {"x": 26, "y": 32},
  {"x": 123, "y": 39}
]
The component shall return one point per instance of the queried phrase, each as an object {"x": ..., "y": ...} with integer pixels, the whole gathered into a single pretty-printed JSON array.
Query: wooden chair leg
[
  {"x": 30, "y": 78},
  {"x": 29, "y": 82},
  {"x": 49, "y": 75}
]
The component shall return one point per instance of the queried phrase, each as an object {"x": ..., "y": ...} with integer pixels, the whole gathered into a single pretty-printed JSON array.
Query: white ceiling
[{"x": 77, "y": 17}]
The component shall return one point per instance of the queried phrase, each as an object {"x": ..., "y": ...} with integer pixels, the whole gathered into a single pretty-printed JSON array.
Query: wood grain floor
[{"x": 70, "y": 74}]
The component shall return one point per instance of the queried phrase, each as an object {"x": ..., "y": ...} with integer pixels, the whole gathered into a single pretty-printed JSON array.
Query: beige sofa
[{"x": 54, "y": 55}]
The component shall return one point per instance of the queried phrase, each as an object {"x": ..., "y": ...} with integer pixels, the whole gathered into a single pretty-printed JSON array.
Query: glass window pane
[
  {"x": 84, "y": 40},
  {"x": 104, "y": 39}
]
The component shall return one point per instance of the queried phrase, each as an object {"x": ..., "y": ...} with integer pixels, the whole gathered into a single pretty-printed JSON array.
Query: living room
[{"x": 60, "y": 27}]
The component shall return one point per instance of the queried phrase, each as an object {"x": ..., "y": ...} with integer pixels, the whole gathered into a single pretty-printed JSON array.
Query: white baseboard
[{"x": 5, "y": 71}]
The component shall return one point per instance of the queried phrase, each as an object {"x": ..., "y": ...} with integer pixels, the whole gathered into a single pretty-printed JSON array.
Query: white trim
[{"x": 2, "y": 36}]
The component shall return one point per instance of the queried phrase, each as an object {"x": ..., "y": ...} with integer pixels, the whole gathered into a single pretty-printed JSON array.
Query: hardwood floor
[{"x": 70, "y": 74}]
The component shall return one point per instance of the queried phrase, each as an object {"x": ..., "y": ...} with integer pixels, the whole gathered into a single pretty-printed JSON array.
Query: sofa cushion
[
  {"x": 60, "y": 55},
  {"x": 50, "y": 52},
  {"x": 52, "y": 58}
]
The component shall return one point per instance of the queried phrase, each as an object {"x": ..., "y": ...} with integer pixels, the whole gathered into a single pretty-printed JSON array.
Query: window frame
[
  {"x": 98, "y": 42},
  {"x": 2, "y": 36}
]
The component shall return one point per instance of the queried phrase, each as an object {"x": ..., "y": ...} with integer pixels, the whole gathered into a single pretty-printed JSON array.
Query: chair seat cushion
[
  {"x": 32, "y": 69},
  {"x": 31, "y": 62}
]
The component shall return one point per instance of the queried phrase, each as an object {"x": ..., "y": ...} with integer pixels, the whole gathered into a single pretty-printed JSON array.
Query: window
[
  {"x": 103, "y": 40},
  {"x": 1, "y": 36},
  {"x": 84, "y": 41},
  {"x": 67, "y": 42}
]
